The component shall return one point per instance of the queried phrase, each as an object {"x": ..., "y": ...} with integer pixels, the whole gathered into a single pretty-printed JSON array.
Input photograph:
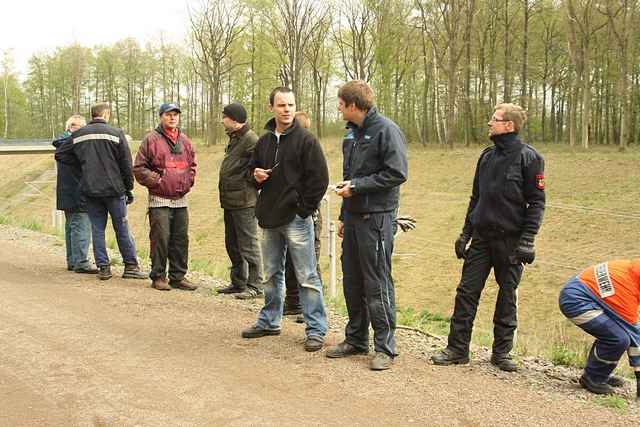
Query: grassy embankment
[{"x": 592, "y": 198}]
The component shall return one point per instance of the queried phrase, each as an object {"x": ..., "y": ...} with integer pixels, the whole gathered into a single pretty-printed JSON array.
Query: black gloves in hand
[
  {"x": 129, "y": 196},
  {"x": 406, "y": 223},
  {"x": 525, "y": 252},
  {"x": 461, "y": 246}
]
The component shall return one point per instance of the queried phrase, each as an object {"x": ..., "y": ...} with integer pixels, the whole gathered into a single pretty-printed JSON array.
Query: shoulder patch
[
  {"x": 348, "y": 134},
  {"x": 540, "y": 181}
]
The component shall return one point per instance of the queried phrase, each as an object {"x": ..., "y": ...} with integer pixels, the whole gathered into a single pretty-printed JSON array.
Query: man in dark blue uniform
[
  {"x": 375, "y": 165},
  {"x": 503, "y": 218}
]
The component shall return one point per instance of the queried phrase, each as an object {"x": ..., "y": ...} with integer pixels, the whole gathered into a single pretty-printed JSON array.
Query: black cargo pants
[
  {"x": 368, "y": 287},
  {"x": 484, "y": 254},
  {"x": 169, "y": 238}
]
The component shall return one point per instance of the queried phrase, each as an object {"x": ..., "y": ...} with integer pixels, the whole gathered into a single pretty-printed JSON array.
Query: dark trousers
[
  {"x": 169, "y": 239},
  {"x": 99, "y": 208},
  {"x": 241, "y": 241},
  {"x": 369, "y": 293},
  {"x": 292, "y": 297},
  {"x": 484, "y": 254}
]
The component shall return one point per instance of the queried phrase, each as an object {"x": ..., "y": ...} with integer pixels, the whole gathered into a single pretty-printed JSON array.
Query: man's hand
[
  {"x": 460, "y": 246},
  {"x": 261, "y": 175},
  {"x": 343, "y": 189},
  {"x": 525, "y": 252},
  {"x": 129, "y": 196},
  {"x": 340, "y": 229}
]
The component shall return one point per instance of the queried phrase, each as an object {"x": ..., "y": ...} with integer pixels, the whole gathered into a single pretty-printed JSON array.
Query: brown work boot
[
  {"x": 380, "y": 362},
  {"x": 133, "y": 271},
  {"x": 231, "y": 289},
  {"x": 183, "y": 284},
  {"x": 344, "y": 349},
  {"x": 160, "y": 283}
]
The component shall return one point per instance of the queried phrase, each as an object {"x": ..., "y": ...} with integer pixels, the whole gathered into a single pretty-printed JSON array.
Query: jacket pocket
[{"x": 513, "y": 185}]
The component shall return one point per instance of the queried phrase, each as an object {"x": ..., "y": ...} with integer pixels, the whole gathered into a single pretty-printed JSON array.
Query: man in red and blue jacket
[{"x": 166, "y": 165}]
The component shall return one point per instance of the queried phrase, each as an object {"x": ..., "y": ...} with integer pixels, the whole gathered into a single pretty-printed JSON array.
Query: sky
[{"x": 35, "y": 26}]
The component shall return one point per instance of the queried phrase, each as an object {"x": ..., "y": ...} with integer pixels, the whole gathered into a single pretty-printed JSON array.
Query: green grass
[
  {"x": 563, "y": 356},
  {"x": 4, "y": 220},
  {"x": 220, "y": 271},
  {"x": 32, "y": 224},
  {"x": 613, "y": 402}
]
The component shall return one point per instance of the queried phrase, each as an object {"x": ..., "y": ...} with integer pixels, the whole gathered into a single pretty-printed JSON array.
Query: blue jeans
[
  {"x": 77, "y": 236},
  {"x": 98, "y": 208},
  {"x": 297, "y": 238}
]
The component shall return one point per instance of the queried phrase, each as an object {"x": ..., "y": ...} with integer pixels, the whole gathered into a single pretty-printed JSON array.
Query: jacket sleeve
[
  {"x": 315, "y": 178},
  {"x": 65, "y": 153},
  {"x": 125, "y": 162},
  {"x": 533, "y": 174},
  {"x": 394, "y": 164},
  {"x": 142, "y": 167},
  {"x": 467, "y": 229},
  {"x": 255, "y": 161},
  {"x": 251, "y": 139}
]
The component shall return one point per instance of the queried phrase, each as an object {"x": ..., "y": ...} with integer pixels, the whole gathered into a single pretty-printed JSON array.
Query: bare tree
[
  {"x": 214, "y": 29},
  {"x": 443, "y": 21},
  {"x": 318, "y": 57},
  {"x": 7, "y": 64},
  {"x": 582, "y": 29},
  {"x": 357, "y": 42}
]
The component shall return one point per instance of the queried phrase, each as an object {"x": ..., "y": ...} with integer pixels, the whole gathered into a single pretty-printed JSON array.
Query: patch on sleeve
[
  {"x": 605, "y": 286},
  {"x": 540, "y": 181}
]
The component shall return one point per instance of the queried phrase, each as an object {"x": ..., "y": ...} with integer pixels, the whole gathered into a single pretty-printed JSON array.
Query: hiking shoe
[
  {"x": 291, "y": 310},
  {"x": 105, "y": 272},
  {"x": 87, "y": 270},
  {"x": 257, "y": 332},
  {"x": 344, "y": 349},
  {"x": 313, "y": 343},
  {"x": 380, "y": 362},
  {"x": 504, "y": 363},
  {"x": 593, "y": 387},
  {"x": 160, "y": 283},
  {"x": 132, "y": 271},
  {"x": 231, "y": 289},
  {"x": 183, "y": 284},
  {"x": 447, "y": 357},
  {"x": 615, "y": 381},
  {"x": 249, "y": 293}
]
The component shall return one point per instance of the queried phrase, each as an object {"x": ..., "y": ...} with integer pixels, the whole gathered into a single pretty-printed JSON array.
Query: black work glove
[
  {"x": 129, "y": 196},
  {"x": 525, "y": 252},
  {"x": 406, "y": 223},
  {"x": 461, "y": 246},
  {"x": 638, "y": 386}
]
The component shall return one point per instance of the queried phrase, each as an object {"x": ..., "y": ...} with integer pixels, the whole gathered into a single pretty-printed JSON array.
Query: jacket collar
[
  {"x": 369, "y": 118},
  {"x": 98, "y": 120},
  {"x": 271, "y": 127},
  {"x": 176, "y": 148},
  {"x": 237, "y": 133},
  {"x": 507, "y": 142}
]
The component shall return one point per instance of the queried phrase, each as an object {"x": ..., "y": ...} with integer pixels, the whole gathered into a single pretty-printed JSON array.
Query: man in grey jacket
[
  {"x": 374, "y": 167},
  {"x": 238, "y": 196}
]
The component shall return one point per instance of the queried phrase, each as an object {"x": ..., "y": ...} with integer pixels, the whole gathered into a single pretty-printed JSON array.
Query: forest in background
[{"x": 437, "y": 66}]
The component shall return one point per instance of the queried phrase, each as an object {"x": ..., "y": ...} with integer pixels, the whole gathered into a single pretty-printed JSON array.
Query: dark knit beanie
[{"x": 235, "y": 112}]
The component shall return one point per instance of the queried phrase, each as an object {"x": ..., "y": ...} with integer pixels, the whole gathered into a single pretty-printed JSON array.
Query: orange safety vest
[{"x": 617, "y": 283}]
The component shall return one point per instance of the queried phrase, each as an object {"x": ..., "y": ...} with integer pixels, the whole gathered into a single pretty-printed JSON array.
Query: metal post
[{"x": 332, "y": 259}]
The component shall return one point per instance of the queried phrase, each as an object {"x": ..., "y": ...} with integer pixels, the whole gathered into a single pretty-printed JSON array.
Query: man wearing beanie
[
  {"x": 238, "y": 196},
  {"x": 166, "y": 165}
]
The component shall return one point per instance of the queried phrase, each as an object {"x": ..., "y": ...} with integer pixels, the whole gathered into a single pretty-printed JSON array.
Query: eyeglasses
[{"x": 493, "y": 119}]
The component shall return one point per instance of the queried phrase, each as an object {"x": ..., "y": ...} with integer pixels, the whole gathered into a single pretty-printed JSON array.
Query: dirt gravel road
[{"x": 76, "y": 351}]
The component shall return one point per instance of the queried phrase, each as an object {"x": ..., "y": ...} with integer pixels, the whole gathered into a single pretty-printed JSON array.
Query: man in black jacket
[
  {"x": 374, "y": 167},
  {"x": 77, "y": 226},
  {"x": 107, "y": 183},
  {"x": 238, "y": 195},
  {"x": 504, "y": 214},
  {"x": 291, "y": 173}
]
